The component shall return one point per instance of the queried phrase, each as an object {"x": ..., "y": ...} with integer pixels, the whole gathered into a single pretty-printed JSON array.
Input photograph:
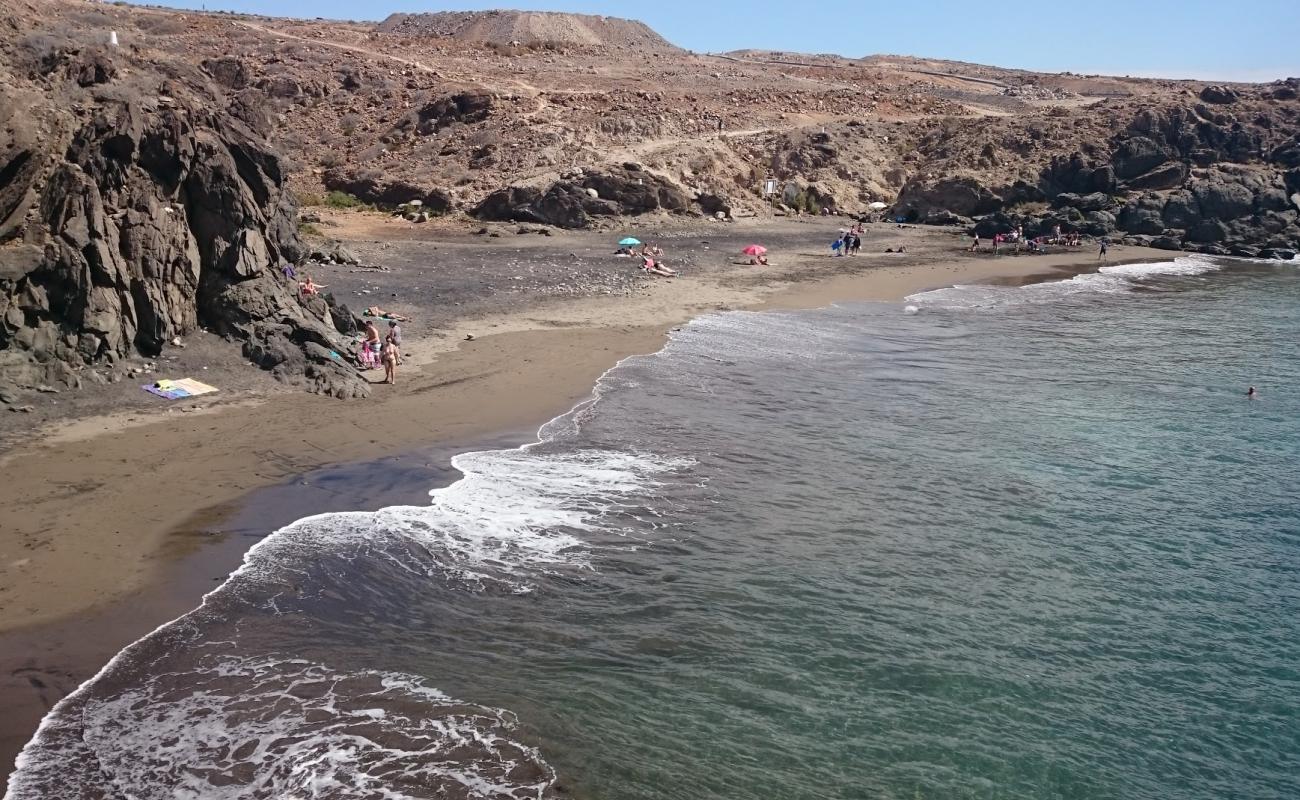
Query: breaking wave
[
  {"x": 1116, "y": 279},
  {"x": 209, "y": 705}
]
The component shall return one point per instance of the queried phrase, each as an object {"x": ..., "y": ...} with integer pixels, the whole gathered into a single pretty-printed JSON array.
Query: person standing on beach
[
  {"x": 389, "y": 357},
  {"x": 1101, "y": 254},
  {"x": 974, "y": 242},
  {"x": 370, "y": 344}
]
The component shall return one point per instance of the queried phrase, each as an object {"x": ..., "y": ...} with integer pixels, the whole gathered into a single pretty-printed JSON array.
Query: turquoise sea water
[{"x": 988, "y": 543}]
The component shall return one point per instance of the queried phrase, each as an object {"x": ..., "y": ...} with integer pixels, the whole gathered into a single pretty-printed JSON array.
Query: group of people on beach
[
  {"x": 650, "y": 257},
  {"x": 386, "y": 352},
  {"x": 1037, "y": 244},
  {"x": 849, "y": 242}
]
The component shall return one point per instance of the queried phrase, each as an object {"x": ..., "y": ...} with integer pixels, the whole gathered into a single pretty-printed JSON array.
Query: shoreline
[
  {"x": 540, "y": 366},
  {"x": 96, "y": 497}
]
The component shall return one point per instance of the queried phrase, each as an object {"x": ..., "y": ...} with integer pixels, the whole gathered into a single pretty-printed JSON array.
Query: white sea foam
[
  {"x": 513, "y": 513},
  {"x": 236, "y": 727},
  {"x": 1114, "y": 279},
  {"x": 759, "y": 335}
]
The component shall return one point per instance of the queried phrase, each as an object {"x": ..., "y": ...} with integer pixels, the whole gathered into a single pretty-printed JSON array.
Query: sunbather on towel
[
  {"x": 376, "y": 311},
  {"x": 654, "y": 267}
]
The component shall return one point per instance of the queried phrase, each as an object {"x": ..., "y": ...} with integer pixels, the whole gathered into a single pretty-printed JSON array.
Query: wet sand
[{"x": 115, "y": 524}]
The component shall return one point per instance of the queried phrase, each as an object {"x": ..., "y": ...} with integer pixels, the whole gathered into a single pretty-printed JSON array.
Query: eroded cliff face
[{"x": 138, "y": 203}]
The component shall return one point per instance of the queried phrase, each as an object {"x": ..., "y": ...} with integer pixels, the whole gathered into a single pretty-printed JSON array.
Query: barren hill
[{"x": 529, "y": 28}]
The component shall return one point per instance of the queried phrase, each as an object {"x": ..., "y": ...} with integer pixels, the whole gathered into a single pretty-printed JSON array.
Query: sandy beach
[{"x": 93, "y": 502}]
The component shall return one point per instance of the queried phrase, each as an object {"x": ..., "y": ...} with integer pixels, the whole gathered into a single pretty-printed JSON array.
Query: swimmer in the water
[{"x": 1251, "y": 393}]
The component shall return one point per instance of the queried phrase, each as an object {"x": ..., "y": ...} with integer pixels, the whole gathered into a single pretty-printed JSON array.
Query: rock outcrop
[
  {"x": 964, "y": 196},
  {"x": 574, "y": 201},
  {"x": 1218, "y": 178},
  {"x": 375, "y": 188},
  {"x": 133, "y": 217}
]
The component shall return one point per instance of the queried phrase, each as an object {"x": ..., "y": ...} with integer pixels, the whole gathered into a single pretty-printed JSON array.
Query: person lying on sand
[
  {"x": 652, "y": 266},
  {"x": 376, "y": 311}
]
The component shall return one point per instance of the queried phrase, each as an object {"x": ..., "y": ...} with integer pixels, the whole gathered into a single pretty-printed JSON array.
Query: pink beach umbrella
[{"x": 755, "y": 250}]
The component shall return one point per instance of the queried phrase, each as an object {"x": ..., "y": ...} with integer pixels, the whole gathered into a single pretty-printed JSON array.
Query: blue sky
[{"x": 1241, "y": 40}]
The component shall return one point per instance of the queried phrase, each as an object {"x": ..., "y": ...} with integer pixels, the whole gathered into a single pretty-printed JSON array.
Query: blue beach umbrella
[{"x": 630, "y": 241}]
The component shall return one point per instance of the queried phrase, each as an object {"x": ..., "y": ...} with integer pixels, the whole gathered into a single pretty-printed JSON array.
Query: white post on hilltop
[{"x": 112, "y": 38}]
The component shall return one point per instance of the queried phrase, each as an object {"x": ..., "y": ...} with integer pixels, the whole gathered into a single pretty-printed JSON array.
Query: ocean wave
[
  {"x": 513, "y": 515},
  {"x": 267, "y": 727},
  {"x": 1114, "y": 279}
]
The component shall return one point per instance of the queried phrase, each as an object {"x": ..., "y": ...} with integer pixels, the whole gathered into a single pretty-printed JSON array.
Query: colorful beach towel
[{"x": 175, "y": 390}]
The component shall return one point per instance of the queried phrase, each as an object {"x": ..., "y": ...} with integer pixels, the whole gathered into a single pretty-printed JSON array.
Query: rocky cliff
[
  {"x": 1218, "y": 172},
  {"x": 138, "y": 202}
]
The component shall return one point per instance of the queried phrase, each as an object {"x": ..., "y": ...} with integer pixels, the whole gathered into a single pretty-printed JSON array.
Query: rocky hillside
[
  {"x": 150, "y": 188},
  {"x": 1213, "y": 171},
  {"x": 138, "y": 202},
  {"x": 529, "y": 29}
]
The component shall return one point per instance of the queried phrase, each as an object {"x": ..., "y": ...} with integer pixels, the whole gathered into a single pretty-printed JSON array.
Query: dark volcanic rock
[
  {"x": 965, "y": 197},
  {"x": 619, "y": 190},
  {"x": 1207, "y": 231},
  {"x": 147, "y": 221},
  {"x": 1288, "y": 153},
  {"x": 560, "y": 205},
  {"x": 1143, "y": 216},
  {"x": 464, "y": 107},
  {"x": 1099, "y": 223},
  {"x": 1166, "y": 176},
  {"x": 230, "y": 72},
  {"x": 712, "y": 204},
  {"x": 1136, "y": 156},
  {"x": 637, "y": 191},
  {"x": 565, "y": 205},
  {"x": 1181, "y": 210},
  {"x": 1075, "y": 175},
  {"x": 1096, "y": 201},
  {"x": 943, "y": 217},
  {"x": 1220, "y": 199},
  {"x": 1221, "y": 95},
  {"x": 383, "y": 191}
]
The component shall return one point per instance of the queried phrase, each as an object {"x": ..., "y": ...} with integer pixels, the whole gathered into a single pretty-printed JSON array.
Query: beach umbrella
[
  {"x": 754, "y": 250},
  {"x": 878, "y": 206},
  {"x": 629, "y": 241}
]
